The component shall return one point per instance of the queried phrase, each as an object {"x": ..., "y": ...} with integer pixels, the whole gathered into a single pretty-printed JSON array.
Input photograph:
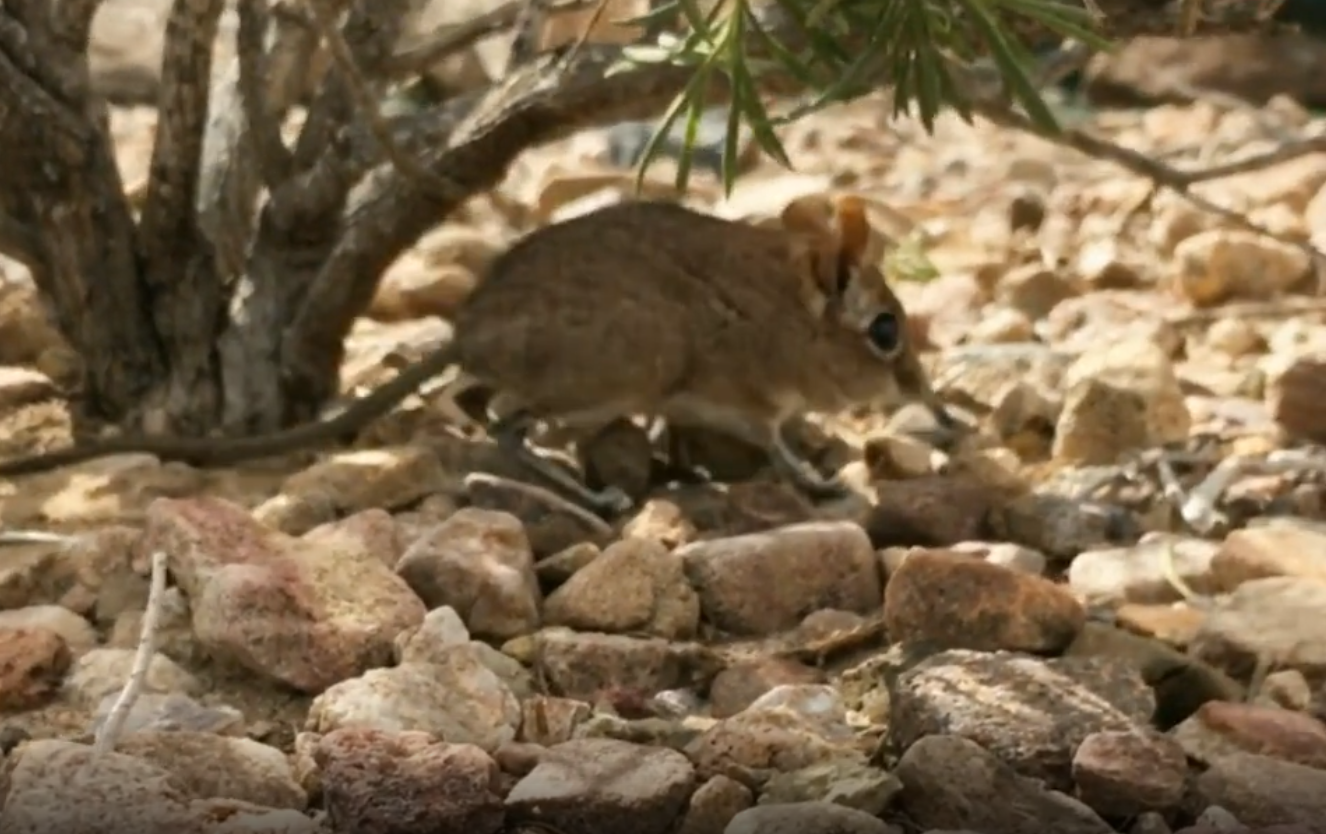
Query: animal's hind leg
[
  {"x": 446, "y": 396},
  {"x": 798, "y": 470},
  {"x": 511, "y": 432},
  {"x": 680, "y": 464}
]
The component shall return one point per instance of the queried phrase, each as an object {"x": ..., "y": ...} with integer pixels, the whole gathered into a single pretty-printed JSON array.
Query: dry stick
[
  {"x": 1198, "y": 510},
  {"x": 529, "y": 17},
  {"x": 1249, "y": 310},
  {"x": 110, "y": 729},
  {"x": 8, "y": 537},
  {"x": 1162, "y": 175},
  {"x": 1190, "y": 14},
  {"x": 448, "y": 40},
  {"x": 584, "y": 36},
  {"x": 1282, "y": 153},
  {"x": 1070, "y": 57},
  {"x": 358, "y": 86},
  {"x": 1173, "y": 493},
  {"x": 1260, "y": 672}
]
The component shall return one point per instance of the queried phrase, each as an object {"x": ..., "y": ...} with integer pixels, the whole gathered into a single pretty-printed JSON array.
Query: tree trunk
[
  {"x": 65, "y": 207},
  {"x": 219, "y": 310}
]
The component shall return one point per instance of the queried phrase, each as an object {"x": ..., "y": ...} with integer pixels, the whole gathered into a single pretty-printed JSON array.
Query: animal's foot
[
  {"x": 807, "y": 479},
  {"x": 821, "y": 488},
  {"x": 685, "y": 473},
  {"x": 608, "y": 501}
]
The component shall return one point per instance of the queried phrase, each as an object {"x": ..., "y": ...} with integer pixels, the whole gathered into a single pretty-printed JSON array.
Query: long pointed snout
[
  {"x": 944, "y": 419},
  {"x": 914, "y": 385},
  {"x": 942, "y": 416}
]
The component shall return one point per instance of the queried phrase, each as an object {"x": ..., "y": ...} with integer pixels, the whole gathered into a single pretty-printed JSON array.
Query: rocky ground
[{"x": 1100, "y": 612}]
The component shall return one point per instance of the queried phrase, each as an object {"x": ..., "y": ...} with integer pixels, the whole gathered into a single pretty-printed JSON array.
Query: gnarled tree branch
[
  {"x": 60, "y": 180},
  {"x": 299, "y": 226},
  {"x": 231, "y": 180},
  {"x": 178, "y": 265},
  {"x": 272, "y": 158}
]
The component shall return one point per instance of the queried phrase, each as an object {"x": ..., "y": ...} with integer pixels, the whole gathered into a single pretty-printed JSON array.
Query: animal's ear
[
  {"x": 816, "y": 249},
  {"x": 811, "y": 216},
  {"x": 855, "y": 235},
  {"x": 816, "y": 272}
]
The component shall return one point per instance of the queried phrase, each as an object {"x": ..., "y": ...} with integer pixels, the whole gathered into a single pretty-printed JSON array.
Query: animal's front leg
[{"x": 763, "y": 432}]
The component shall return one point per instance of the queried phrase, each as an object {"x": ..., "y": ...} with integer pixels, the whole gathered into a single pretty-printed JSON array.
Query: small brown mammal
[{"x": 650, "y": 308}]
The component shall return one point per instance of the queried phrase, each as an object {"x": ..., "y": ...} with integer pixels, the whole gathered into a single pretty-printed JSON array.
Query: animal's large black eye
[{"x": 885, "y": 332}]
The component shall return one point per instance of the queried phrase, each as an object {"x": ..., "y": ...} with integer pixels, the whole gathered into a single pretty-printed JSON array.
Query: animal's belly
[{"x": 571, "y": 388}]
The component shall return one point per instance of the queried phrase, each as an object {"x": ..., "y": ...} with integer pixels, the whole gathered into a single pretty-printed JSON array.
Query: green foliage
[
  {"x": 908, "y": 261},
  {"x": 850, "y": 46}
]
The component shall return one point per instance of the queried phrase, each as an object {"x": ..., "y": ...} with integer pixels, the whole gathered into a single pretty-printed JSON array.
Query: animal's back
[
  {"x": 613, "y": 305},
  {"x": 628, "y": 248}
]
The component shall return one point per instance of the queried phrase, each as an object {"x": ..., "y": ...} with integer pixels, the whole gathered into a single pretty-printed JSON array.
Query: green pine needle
[{"x": 915, "y": 42}]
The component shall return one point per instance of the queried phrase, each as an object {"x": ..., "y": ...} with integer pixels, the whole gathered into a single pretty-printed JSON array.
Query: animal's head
[{"x": 839, "y": 256}]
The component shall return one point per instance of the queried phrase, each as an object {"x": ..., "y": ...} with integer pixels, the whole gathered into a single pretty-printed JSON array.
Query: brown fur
[{"x": 632, "y": 308}]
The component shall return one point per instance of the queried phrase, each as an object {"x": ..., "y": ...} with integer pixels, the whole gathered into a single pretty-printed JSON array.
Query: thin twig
[
  {"x": 1199, "y": 508},
  {"x": 1281, "y": 153},
  {"x": 1260, "y": 672},
  {"x": 1162, "y": 175},
  {"x": 524, "y": 38},
  {"x": 109, "y": 732},
  {"x": 1276, "y": 308},
  {"x": 1177, "y": 582},
  {"x": 989, "y": 97},
  {"x": 10, "y": 537},
  {"x": 366, "y": 102},
  {"x": 448, "y": 40},
  {"x": 593, "y": 21},
  {"x": 1070, "y": 57},
  {"x": 1190, "y": 14},
  {"x": 1173, "y": 492}
]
